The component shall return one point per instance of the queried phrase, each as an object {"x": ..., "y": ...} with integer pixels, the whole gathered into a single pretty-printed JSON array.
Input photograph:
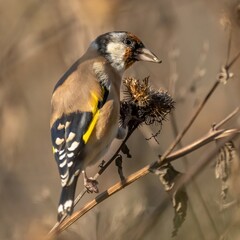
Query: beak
[{"x": 143, "y": 54}]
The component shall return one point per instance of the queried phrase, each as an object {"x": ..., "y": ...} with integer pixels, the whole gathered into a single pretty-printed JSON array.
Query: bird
[{"x": 85, "y": 108}]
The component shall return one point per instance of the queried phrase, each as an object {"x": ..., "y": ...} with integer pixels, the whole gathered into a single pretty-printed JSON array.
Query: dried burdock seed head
[
  {"x": 142, "y": 104},
  {"x": 136, "y": 91}
]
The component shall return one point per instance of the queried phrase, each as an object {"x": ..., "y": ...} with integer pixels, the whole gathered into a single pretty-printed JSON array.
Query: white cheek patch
[{"x": 116, "y": 52}]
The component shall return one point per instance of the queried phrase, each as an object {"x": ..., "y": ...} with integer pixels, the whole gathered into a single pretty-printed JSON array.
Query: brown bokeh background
[{"x": 39, "y": 40}]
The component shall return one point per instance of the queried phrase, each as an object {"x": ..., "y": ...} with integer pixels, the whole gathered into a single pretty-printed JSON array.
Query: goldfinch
[{"x": 86, "y": 105}]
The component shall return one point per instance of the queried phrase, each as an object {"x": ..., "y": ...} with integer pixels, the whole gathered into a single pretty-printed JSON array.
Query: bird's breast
[{"x": 105, "y": 131}]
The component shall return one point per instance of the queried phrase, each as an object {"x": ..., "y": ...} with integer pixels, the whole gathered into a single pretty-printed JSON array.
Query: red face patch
[
  {"x": 130, "y": 50},
  {"x": 135, "y": 38},
  {"x": 128, "y": 57}
]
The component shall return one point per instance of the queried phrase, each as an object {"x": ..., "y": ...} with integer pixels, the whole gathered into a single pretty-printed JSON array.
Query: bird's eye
[{"x": 129, "y": 42}]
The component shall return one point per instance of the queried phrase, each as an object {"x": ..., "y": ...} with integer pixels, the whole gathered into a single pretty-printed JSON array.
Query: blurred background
[{"x": 40, "y": 40}]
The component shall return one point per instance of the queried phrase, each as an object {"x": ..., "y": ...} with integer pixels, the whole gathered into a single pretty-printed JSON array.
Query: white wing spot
[
  {"x": 73, "y": 146},
  {"x": 76, "y": 173},
  {"x": 71, "y": 180},
  {"x": 62, "y": 156},
  {"x": 64, "y": 182},
  {"x": 60, "y": 208},
  {"x": 67, "y": 124},
  {"x": 70, "y": 164},
  {"x": 61, "y": 152},
  {"x": 70, "y": 154},
  {"x": 63, "y": 176},
  {"x": 63, "y": 164},
  {"x": 60, "y": 126},
  {"x": 71, "y": 136},
  {"x": 68, "y": 204},
  {"x": 59, "y": 141}
]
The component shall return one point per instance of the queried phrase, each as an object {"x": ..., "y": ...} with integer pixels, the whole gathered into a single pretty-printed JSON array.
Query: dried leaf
[
  {"x": 179, "y": 200},
  {"x": 224, "y": 75},
  {"x": 223, "y": 166},
  {"x": 118, "y": 163},
  {"x": 125, "y": 150},
  {"x": 168, "y": 177}
]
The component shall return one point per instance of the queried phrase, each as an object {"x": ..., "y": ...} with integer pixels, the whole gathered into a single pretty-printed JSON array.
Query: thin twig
[
  {"x": 102, "y": 169},
  {"x": 139, "y": 174},
  {"x": 233, "y": 61},
  {"x": 167, "y": 157},
  {"x": 164, "y": 159},
  {"x": 146, "y": 227},
  {"x": 196, "y": 190},
  {"x": 200, "y": 165},
  {"x": 192, "y": 119},
  {"x": 231, "y": 115},
  {"x": 116, "y": 153},
  {"x": 187, "y": 178},
  {"x": 229, "y": 46},
  {"x": 200, "y": 107},
  {"x": 197, "y": 144}
]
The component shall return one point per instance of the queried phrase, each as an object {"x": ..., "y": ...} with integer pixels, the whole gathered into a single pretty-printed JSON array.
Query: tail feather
[{"x": 66, "y": 202}]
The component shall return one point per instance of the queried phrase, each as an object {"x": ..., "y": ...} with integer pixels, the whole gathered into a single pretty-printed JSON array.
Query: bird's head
[{"x": 122, "y": 49}]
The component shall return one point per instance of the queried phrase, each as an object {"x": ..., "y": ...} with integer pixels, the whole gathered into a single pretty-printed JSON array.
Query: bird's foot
[{"x": 90, "y": 184}]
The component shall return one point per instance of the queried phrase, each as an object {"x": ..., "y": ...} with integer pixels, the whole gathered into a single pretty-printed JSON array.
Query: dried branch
[
  {"x": 223, "y": 77},
  {"x": 142, "y": 104},
  {"x": 166, "y": 158},
  {"x": 141, "y": 173},
  {"x": 192, "y": 119},
  {"x": 230, "y": 116},
  {"x": 100, "y": 172},
  {"x": 152, "y": 218}
]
